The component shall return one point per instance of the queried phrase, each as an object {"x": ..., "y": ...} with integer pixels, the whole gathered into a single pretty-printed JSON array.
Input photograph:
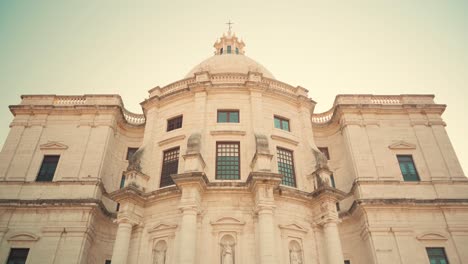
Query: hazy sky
[{"x": 328, "y": 47}]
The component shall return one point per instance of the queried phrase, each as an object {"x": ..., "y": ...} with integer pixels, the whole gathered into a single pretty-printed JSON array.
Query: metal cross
[{"x": 229, "y": 25}]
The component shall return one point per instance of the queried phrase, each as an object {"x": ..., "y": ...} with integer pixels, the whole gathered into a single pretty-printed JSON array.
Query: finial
[{"x": 229, "y": 25}]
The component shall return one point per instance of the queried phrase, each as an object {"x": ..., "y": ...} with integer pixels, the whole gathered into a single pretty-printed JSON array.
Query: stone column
[
  {"x": 188, "y": 236},
  {"x": 333, "y": 243},
  {"x": 262, "y": 185},
  {"x": 327, "y": 217},
  {"x": 130, "y": 215},
  {"x": 122, "y": 242},
  {"x": 266, "y": 235},
  {"x": 192, "y": 185}
]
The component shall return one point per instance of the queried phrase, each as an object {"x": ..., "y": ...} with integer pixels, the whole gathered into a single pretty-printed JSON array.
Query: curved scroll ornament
[
  {"x": 227, "y": 250},
  {"x": 295, "y": 253},
  {"x": 322, "y": 172},
  {"x": 194, "y": 143},
  {"x": 159, "y": 252},
  {"x": 135, "y": 160}
]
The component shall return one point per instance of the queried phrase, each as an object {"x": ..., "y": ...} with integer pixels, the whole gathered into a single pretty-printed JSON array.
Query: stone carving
[
  {"x": 295, "y": 253},
  {"x": 262, "y": 144},
  {"x": 321, "y": 161},
  {"x": 135, "y": 160},
  {"x": 227, "y": 250},
  {"x": 194, "y": 143},
  {"x": 160, "y": 257},
  {"x": 160, "y": 253},
  {"x": 322, "y": 172},
  {"x": 227, "y": 254}
]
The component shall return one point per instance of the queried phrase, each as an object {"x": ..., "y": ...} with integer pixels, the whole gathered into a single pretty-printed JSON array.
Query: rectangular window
[
  {"x": 282, "y": 123},
  {"x": 130, "y": 152},
  {"x": 286, "y": 166},
  {"x": 117, "y": 208},
  {"x": 325, "y": 152},
  {"x": 332, "y": 181},
  {"x": 227, "y": 160},
  {"x": 18, "y": 256},
  {"x": 408, "y": 170},
  {"x": 122, "y": 181},
  {"x": 347, "y": 262},
  {"x": 337, "y": 207},
  {"x": 48, "y": 167},
  {"x": 174, "y": 123},
  {"x": 228, "y": 116},
  {"x": 437, "y": 256},
  {"x": 108, "y": 261},
  {"x": 229, "y": 49},
  {"x": 170, "y": 166}
]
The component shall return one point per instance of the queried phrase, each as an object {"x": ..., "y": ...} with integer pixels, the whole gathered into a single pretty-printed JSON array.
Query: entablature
[{"x": 77, "y": 105}]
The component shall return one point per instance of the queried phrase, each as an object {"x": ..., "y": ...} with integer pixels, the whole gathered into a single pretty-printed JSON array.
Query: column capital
[
  {"x": 126, "y": 218},
  {"x": 257, "y": 179},
  {"x": 197, "y": 179}
]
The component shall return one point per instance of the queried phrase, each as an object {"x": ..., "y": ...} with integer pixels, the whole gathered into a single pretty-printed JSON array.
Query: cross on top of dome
[{"x": 229, "y": 43}]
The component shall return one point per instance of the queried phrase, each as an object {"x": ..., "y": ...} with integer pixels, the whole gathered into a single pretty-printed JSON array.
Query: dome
[
  {"x": 230, "y": 63},
  {"x": 229, "y": 58}
]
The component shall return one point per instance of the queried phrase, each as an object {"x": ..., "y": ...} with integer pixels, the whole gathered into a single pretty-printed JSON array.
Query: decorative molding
[
  {"x": 170, "y": 140},
  {"x": 402, "y": 145},
  {"x": 432, "y": 236},
  {"x": 22, "y": 237},
  {"x": 284, "y": 139},
  {"x": 162, "y": 230},
  {"x": 294, "y": 228},
  {"x": 227, "y": 132},
  {"x": 227, "y": 223},
  {"x": 53, "y": 145}
]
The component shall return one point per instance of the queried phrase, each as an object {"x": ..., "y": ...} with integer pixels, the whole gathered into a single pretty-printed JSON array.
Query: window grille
[
  {"x": 227, "y": 160},
  {"x": 170, "y": 166},
  {"x": 286, "y": 166}
]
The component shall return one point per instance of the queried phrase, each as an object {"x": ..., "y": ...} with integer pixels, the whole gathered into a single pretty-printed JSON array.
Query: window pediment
[
  {"x": 294, "y": 228},
  {"x": 22, "y": 237},
  {"x": 227, "y": 223},
  {"x": 402, "y": 145},
  {"x": 162, "y": 230},
  {"x": 432, "y": 236},
  {"x": 227, "y": 220},
  {"x": 162, "y": 227},
  {"x": 53, "y": 145}
]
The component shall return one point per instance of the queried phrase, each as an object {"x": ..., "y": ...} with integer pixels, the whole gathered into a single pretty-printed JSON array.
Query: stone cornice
[
  {"x": 407, "y": 202},
  {"x": 171, "y": 139},
  {"x": 76, "y": 104},
  {"x": 191, "y": 178},
  {"x": 285, "y": 140},
  {"x": 129, "y": 193},
  {"x": 263, "y": 178},
  {"x": 18, "y": 203},
  {"x": 377, "y": 104}
]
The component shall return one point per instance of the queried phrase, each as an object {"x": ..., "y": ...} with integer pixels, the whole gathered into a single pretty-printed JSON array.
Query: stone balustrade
[
  {"x": 369, "y": 99},
  {"x": 227, "y": 78},
  {"x": 84, "y": 100}
]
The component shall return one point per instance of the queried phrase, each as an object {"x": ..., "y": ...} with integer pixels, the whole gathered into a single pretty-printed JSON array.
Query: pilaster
[
  {"x": 192, "y": 186},
  {"x": 262, "y": 185}
]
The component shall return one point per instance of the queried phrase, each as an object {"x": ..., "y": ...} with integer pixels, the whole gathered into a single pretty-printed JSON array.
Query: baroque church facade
[{"x": 231, "y": 166}]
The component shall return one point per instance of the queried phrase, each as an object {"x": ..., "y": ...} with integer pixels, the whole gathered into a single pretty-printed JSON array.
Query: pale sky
[{"x": 328, "y": 47}]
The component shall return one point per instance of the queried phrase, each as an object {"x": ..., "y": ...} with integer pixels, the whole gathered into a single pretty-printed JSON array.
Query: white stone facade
[{"x": 381, "y": 218}]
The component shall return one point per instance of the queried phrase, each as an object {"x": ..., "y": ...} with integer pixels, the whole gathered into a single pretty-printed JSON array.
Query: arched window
[
  {"x": 237, "y": 50},
  {"x": 221, "y": 51}
]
